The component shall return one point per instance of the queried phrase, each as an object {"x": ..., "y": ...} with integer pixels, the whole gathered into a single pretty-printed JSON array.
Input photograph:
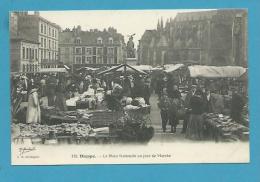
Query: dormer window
[
  {"x": 78, "y": 41},
  {"x": 110, "y": 40},
  {"x": 99, "y": 40}
]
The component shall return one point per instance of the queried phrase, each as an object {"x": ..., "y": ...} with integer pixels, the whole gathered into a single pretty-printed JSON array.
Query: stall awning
[
  {"x": 158, "y": 68},
  {"x": 88, "y": 68},
  {"x": 216, "y": 71},
  {"x": 143, "y": 67},
  {"x": 46, "y": 70},
  {"x": 172, "y": 67},
  {"x": 121, "y": 68},
  {"x": 66, "y": 67}
]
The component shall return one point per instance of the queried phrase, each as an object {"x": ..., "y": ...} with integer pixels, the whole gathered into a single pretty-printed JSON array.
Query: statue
[{"x": 130, "y": 48}]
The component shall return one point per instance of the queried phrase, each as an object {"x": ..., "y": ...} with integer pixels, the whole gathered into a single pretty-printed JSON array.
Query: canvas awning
[
  {"x": 172, "y": 67},
  {"x": 143, "y": 67},
  {"x": 46, "y": 70},
  {"x": 66, "y": 67},
  {"x": 244, "y": 76},
  {"x": 121, "y": 68},
  {"x": 216, "y": 71},
  {"x": 88, "y": 68}
]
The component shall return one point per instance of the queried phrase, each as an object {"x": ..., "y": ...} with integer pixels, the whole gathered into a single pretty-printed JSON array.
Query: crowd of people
[
  {"x": 175, "y": 104},
  {"x": 58, "y": 87},
  {"x": 193, "y": 102}
]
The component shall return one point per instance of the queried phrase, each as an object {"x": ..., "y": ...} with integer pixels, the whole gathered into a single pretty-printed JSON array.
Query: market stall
[
  {"x": 89, "y": 118},
  {"x": 219, "y": 124},
  {"x": 198, "y": 71},
  {"x": 222, "y": 128},
  {"x": 53, "y": 70},
  {"x": 122, "y": 68}
]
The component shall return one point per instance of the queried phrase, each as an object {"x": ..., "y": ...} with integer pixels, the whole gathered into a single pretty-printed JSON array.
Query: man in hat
[{"x": 164, "y": 105}]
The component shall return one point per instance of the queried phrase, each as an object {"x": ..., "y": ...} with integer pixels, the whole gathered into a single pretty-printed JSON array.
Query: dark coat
[
  {"x": 197, "y": 105},
  {"x": 237, "y": 104},
  {"x": 208, "y": 104}
]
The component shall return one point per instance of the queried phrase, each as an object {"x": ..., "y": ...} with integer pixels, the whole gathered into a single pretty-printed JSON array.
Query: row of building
[
  {"x": 34, "y": 42},
  {"x": 37, "y": 43},
  {"x": 214, "y": 37}
]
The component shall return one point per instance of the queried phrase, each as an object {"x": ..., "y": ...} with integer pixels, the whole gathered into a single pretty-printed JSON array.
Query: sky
[{"x": 126, "y": 22}]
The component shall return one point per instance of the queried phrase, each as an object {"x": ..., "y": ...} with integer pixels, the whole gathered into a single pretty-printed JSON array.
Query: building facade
[
  {"x": 24, "y": 53},
  {"x": 217, "y": 37},
  {"x": 36, "y": 28},
  {"x": 93, "y": 47}
]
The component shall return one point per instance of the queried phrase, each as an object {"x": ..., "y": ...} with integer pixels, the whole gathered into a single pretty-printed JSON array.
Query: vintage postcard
[{"x": 129, "y": 86}]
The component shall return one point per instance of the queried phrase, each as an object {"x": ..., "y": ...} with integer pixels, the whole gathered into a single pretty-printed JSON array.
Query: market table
[{"x": 221, "y": 127}]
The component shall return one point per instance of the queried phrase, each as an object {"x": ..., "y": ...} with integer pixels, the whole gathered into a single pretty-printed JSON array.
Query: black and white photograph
[{"x": 129, "y": 86}]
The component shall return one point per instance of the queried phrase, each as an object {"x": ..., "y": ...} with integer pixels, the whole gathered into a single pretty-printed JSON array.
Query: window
[
  {"x": 49, "y": 31},
  {"x": 44, "y": 29},
  {"x": 41, "y": 28},
  {"x": 27, "y": 53},
  {"x": 78, "y": 60},
  {"x": 41, "y": 54},
  {"x": 49, "y": 54},
  {"x": 44, "y": 43},
  {"x": 88, "y": 50},
  {"x": 23, "y": 52},
  {"x": 52, "y": 32},
  {"x": 78, "y": 50},
  {"x": 99, "y": 51},
  {"x": 41, "y": 42},
  {"x": 53, "y": 45},
  {"x": 32, "y": 53},
  {"x": 99, "y": 40},
  {"x": 110, "y": 40},
  {"x": 78, "y": 41},
  {"x": 89, "y": 59},
  {"x": 110, "y": 51},
  {"x": 49, "y": 44},
  {"x": 36, "y": 54},
  {"x": 55, "y": 33}
]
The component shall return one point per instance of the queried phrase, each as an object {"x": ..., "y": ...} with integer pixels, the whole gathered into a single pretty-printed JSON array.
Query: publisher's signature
[{"x": 24, "y": 150}]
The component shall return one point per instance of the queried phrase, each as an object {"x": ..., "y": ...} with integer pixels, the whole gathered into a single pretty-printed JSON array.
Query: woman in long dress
[
  {"x": 195, "y": 124},
  {"x": 33, "y": 114}
]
